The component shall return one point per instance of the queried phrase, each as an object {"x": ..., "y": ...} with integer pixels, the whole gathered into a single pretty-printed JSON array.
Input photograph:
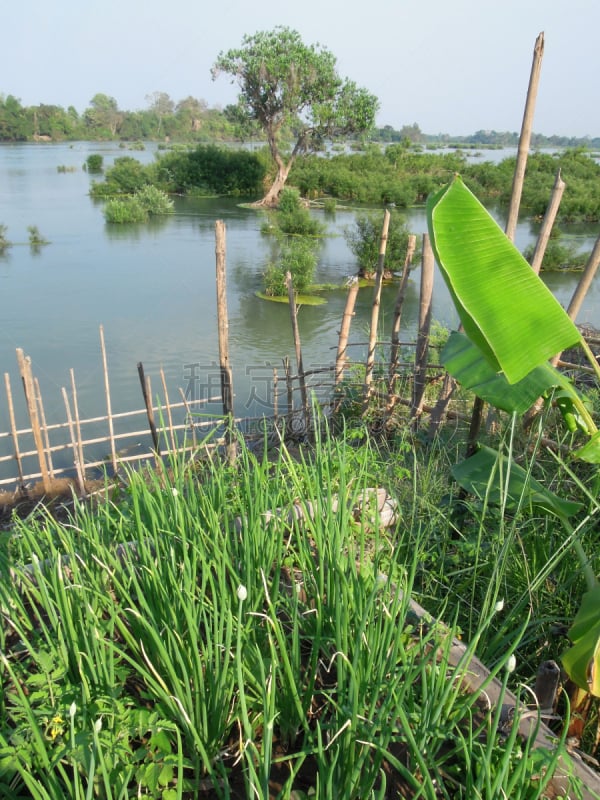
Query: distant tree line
[
  {"x": 187, "y": 120},
  {"x": 192, "y": 120}
]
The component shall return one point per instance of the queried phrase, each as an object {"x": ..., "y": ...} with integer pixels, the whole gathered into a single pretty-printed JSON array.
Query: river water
[{"x": 152, "y": 288}]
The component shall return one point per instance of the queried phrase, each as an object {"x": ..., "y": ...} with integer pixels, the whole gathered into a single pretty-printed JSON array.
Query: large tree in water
[{"x": 287, "y": 85}]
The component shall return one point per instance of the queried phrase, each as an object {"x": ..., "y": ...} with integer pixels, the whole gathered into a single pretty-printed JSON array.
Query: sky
[{"x": 451, "y": 66}]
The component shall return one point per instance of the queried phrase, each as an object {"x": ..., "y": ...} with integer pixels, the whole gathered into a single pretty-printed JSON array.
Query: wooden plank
[{"x": 13, "y": 430}]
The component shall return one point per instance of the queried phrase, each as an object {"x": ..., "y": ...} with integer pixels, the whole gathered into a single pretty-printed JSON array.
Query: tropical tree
[
  {"x": 103, "y": 115},
  {"x": 286, "y": 85}
]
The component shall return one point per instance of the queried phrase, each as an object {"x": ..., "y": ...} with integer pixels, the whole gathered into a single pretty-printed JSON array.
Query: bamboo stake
[
  {"x": 76, "y": 461},
  {"x": 27, "y": 378},
  {"x": 43, "y": 425},
  {"x": 426, "y": 294},
  {"x": 297, "y": 346},
  {"x": 147, "y": 394},
  {"x": 169, "y": 416},
  {"x": 585, "y": 281},
  {"x": 77, "y": 422},
  {"x": 525, "y": 138},
  {"x": 13, "y": 430},
  {"x": 113, "y": 451},
  {"x": 341, "y": 356},
  {"x": 375, "y": 310},
  {"x": 547, "y": 223},
  {"x": 412, "y": 245}
]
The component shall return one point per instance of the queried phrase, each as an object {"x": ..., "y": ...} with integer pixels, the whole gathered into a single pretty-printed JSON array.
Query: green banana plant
[{"x": 513, "y": 326}]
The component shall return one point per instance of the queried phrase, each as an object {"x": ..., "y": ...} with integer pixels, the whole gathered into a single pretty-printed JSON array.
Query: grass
[{"x": 180, "y": 640}]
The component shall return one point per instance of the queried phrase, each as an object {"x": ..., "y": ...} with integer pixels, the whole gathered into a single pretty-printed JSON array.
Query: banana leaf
[
  {"x": 466, "y": 363},
  {"x": 504, "y": 307},
  {"x": 489, "y": 473},
  {"x": 582, "y": 660}
]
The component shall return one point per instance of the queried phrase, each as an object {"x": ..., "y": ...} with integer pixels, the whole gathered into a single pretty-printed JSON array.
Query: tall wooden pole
[
  {"x": 223, "y": 333},
  {"x": 30, "y": 398},
  {"x": 375, "y": 310},
  {"x": 222, "y": 318},
  {"x": 422, "y": 349},
  {"x": 525, "y": 138}
]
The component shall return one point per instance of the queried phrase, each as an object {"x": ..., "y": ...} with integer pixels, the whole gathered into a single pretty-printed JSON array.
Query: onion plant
[{"x": 192, "y": 634}]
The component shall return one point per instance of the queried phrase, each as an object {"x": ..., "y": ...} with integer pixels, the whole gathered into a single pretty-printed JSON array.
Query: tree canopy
[{"x": 286, "y": 85}]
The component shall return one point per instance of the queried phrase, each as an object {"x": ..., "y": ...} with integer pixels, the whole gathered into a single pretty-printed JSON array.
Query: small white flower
[
  {"x": 499, "y": 606},
  {"x": 72, "y": 710},
  {"x": 98, "y": 725},
  {"x": 242, "y": 593},
  {"x": 511, "y": 663},
  {"x": 174, "y": 491}
]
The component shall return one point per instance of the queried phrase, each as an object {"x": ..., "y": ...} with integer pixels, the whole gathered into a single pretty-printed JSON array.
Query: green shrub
[
  {"x": 364, "y": 239},
  {"x": 125, "y": 210},
  {"x": 94, "y": 163},
  {"x": 299, "y": 257},
  {"x": 35, "y": 237},
  {"x": 4, "y": 243},
  {"x": 155, "y": 201}
]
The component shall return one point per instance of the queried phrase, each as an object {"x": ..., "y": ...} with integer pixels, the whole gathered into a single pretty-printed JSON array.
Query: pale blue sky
[{"x": 452, "y": 66}]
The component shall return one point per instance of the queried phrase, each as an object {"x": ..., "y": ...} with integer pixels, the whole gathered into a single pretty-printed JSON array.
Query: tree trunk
[{"x": 271, "y": 198}]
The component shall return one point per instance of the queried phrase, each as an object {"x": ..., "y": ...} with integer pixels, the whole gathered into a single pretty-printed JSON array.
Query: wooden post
[
  {"x": 525, "y": 138},
  {"x": 222, "y": 319},
  {"x": 27, "y": 378},
  {"x": 298, "y": 347},
  {"x": 342, "y": 355},
  {"x": 111, "y": 433},
  {"x": 547, "y": 224},
  {"x": 375, "y": 310},
  {"x": 76, "y": 462},
  {"x": 223, "y": 332},
  {"x": 426, "y": 294},
  {"x": 147, "y": 394},
  {"x": 13, "y": 431}
]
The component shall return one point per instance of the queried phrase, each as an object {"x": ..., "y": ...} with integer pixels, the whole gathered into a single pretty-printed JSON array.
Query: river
[{"x": 152, "y": 288}]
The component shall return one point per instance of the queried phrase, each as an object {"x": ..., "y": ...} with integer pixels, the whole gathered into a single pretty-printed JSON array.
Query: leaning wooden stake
[
  {"x": 147, "y": 395},
  {"x": 28, "y": 387},
  {"x": 13, "y": 431},
  {"x": 298, "y": 348},
  {"x": 548, "y": 223},
  {"x": 585, "y": 282},
  {"x": 111, "y": 432},
  {"x": 342, "y": 355},
  {"x": 425, "y": 298},
  {"x": 375, "y": 311},
  {"x": 525, "y": 138},
  {"x": 74, "y": 445},
  {"x": 77, "y": 422}
]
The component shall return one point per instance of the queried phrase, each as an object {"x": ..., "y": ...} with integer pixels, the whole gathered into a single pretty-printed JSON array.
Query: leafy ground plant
[{"x": 208, "y": 631}]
